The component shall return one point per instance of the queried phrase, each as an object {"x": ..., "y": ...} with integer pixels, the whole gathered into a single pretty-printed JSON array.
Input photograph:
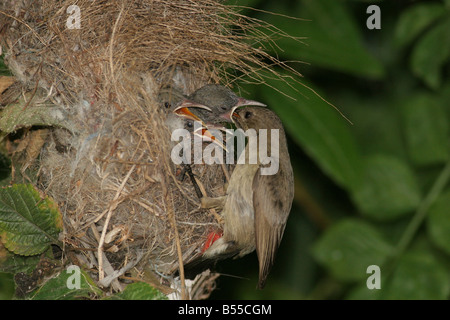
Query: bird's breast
[{"x": 238, "y": 211}]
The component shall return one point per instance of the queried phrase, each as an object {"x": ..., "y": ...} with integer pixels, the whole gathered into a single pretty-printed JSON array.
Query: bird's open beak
[
  {"x": 186, "y": 113},
  {"x": 244, "y": 102},
  {"x": 228, "y": 116},
  {"x": 186, "y": 103},
  {"x": 208, "y": 136},
  {"x": 183, "y": 109}
]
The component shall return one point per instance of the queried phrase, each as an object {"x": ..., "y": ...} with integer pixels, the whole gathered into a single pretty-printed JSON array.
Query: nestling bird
[
  {"x": 256, "y": 207},
  {"x": 211, "y": 101},
  {"x": 206, "y": 105},
  {"x": 177, "y": 117},
  {"x": 181, "y": 117}
]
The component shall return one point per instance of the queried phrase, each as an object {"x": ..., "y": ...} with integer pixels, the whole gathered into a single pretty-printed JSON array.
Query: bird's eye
[
  {"x": 166, "y": 105},
  {"x": 248, "y": 114},
  {"x": 190, "y": 124}
]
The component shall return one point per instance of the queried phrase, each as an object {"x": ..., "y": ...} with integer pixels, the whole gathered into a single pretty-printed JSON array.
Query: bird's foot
[
  {"x": 218, "y": 202},
  {"x": 212, "y": 204}
]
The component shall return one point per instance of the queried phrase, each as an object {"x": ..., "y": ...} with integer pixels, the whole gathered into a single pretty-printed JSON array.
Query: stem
[{"x": 422, "y": 210}]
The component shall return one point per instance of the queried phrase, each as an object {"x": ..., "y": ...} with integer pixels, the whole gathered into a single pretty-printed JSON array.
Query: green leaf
[
  {"x": 28, "y": 223},
  {"x": 388, "y": 189},
  {"x": 13, "y": 263},
  {"x": 349, "y": 247},
  {"x": 430, "y": 54},
  {"x": 29, "y": 111},
  {"x": 438, "y": 222},
  {"x": 417, "y": 276},
  {"x": 416, "y": 19},
  {"x": 361, "y": 292},
  {"x": 7, "y": 286},
  {"x": 426, "y": 129},
  {"x": 331, "y": 38},
  {"x": 140, "y": 291},
  {"x": 61, "y": 287},
  {"x": 318, "y": 128}
]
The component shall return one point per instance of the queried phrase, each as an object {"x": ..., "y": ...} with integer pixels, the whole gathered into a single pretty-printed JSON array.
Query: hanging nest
[{"x": 102, "y": 151}]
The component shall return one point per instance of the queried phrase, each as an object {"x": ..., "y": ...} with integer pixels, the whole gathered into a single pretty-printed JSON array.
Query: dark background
[{"x": 374, "y": 192}]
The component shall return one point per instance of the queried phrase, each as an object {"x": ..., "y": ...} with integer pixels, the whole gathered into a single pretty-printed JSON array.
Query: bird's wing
[{"x": 272, "y": 204}]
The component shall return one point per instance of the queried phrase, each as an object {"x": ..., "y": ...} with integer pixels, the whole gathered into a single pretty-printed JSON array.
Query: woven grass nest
[{"x": 104, "y": 156}]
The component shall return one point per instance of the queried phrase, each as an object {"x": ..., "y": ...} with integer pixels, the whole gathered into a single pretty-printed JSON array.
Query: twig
[
  {"x": 188, "y": 169},
  {"x": 225, "y": 171},
  {"x": 105, "y": 282},
  {"x": 114, "y": 204},
  {"x": 422, "y": 210},
  {"x": 111, "y": 43},
  {"x": 24, "y": 23},
  {"x": 33, "y": 93},
  {"x": 177, "y": 240},
  {"x": 211, "y": 210}
]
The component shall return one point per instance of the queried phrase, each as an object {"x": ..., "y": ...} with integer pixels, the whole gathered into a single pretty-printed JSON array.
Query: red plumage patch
[{"x": 212, "y": 237}]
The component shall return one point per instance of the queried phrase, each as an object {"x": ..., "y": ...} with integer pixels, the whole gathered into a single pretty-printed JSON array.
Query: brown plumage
[{"x": 256, "y": 207}]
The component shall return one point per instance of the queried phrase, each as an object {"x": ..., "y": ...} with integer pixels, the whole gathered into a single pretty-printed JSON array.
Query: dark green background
[{"x": 374, "y": 192}]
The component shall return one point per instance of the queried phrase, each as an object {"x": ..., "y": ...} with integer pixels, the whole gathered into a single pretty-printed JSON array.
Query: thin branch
[
  {"x": 112, "y": 207},
  {"x": 173, "y": 221},
  {"x": 422, "y": 210}
]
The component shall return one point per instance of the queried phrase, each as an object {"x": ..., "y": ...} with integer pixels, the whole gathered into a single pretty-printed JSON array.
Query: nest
[{"x": 107, "y": 163}]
